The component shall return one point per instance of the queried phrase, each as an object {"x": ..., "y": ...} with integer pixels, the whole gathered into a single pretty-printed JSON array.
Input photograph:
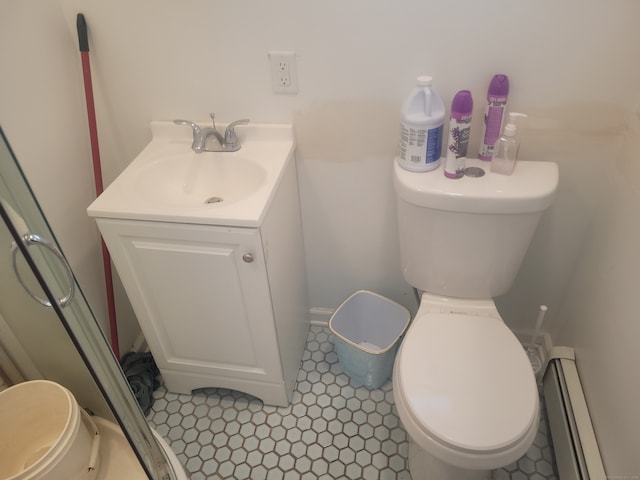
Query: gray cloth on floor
[{"x": 142, "y": 374}]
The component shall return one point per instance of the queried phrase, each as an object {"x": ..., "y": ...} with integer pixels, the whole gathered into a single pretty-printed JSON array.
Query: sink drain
[{"x": 214, "y": 200}]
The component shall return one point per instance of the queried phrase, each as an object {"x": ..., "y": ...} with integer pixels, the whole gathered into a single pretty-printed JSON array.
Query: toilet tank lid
[{"x": 529, "y": 189}]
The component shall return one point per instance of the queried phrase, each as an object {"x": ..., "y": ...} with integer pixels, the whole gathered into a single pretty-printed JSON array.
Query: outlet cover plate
[{"x": 284, "y": 72}]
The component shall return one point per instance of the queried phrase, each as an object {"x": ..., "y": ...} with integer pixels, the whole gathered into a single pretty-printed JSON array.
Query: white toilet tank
[{"x": 467, "y": 237}]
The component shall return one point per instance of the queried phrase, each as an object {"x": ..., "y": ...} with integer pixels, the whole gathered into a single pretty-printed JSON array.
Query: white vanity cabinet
[{"x": 220, "y": 306}]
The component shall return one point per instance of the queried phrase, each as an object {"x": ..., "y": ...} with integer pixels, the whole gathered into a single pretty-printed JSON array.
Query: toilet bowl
[{"x": 464, "y": 390}]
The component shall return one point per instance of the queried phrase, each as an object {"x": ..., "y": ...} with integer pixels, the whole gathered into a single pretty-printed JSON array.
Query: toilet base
[{"x": 424, "y": 466}]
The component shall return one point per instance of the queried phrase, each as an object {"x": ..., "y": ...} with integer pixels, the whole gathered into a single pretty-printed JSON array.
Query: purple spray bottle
[
  {"x": 459, "y": 130},
  {"x": 494, "y": 115}
]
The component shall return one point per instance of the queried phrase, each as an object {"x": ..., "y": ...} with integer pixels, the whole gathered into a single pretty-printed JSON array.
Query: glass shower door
[{"x": 44, "y": 273}]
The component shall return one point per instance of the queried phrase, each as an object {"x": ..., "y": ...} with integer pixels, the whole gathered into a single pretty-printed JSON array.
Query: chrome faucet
[{"x": 227, "y": 143}]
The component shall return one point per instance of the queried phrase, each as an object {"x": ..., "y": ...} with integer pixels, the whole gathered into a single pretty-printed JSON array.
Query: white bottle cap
[{"x": 424, "y": 81}]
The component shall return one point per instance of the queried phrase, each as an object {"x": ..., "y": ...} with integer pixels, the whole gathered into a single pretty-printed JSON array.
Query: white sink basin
[
  {"x": 168, "y": 181},
  {"x": 194, "y": 179}
]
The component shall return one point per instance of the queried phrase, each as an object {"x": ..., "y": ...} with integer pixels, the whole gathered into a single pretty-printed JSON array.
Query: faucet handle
[
  {"x": 230, "y": 137},
  {"x": 196, "y": 145},
  {"x": 194, "y": 126}
]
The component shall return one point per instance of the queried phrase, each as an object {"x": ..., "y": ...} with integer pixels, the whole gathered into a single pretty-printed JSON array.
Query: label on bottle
[
  {"x": 459, "y": 132},
  {"x": 434, "y": 144},
  {"x": 420, "y": 147},
  {"x": 492, "y": 125},
  {"x": 412, "y": 144}
]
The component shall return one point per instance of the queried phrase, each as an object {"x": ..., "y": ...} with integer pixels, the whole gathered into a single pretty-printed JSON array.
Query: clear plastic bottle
[
  {"x": 506, "y": 149},
  {"x": 421, "y": 128}
]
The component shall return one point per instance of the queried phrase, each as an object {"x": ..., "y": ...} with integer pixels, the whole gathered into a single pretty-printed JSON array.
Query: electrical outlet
[{"x": 284, "y": 75}]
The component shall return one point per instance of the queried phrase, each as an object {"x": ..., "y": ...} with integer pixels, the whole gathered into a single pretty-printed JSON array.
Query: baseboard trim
[{"x": 320, "y": 316}]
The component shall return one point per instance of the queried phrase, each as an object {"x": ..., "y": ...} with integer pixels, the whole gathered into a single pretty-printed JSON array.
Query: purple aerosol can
[
  {"x": 459, "y": 130},
  {"x": 494, "y": 115}
]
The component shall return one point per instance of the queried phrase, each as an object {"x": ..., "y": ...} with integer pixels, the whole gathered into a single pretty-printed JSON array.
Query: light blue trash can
[{"x": 367, "y": 329}]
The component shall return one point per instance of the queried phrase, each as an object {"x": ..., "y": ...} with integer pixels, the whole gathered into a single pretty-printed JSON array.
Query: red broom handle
[{"x": 83, "y": 41}]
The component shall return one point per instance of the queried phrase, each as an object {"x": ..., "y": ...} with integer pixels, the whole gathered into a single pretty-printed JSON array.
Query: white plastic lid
[
  {"x": 424, "y": 81},
  {"x": 468, "y": 382}
]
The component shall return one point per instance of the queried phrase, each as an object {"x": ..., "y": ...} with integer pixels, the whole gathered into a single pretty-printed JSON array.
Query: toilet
[
  {"x": 46, "y": 435},
  {"x": 463, "y": 385}
]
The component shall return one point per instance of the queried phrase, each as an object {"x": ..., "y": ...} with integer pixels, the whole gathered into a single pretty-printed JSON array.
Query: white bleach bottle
[{"x": 421, "y": 126}]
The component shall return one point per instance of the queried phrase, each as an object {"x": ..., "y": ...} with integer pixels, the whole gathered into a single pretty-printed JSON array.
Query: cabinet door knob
[{"x": 247, "y": 257}]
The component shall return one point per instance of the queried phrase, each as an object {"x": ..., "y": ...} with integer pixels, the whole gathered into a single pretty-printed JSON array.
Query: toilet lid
[{"x": 467, "y": 381}]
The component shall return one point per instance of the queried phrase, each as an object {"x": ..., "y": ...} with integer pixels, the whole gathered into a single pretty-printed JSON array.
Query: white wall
[
  {"x": 573, "y": 66},
  {"x": 43, "y": 115},
  {"x": 600, "y": 312},
  {"x": 356, "y": 62}
]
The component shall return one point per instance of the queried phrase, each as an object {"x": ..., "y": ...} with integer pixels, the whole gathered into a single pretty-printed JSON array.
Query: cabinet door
[{"x": 203, "y": 308}]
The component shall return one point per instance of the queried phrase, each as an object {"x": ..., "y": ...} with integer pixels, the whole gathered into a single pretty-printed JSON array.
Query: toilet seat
[{"x": 465, "y": 389}]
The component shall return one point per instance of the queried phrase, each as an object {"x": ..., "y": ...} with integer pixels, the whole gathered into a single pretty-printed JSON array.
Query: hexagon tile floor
[{"x": 333, "y": 429}]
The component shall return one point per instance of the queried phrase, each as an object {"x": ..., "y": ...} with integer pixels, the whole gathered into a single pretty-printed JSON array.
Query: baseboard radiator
[{"x": 574, "y": 441}]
